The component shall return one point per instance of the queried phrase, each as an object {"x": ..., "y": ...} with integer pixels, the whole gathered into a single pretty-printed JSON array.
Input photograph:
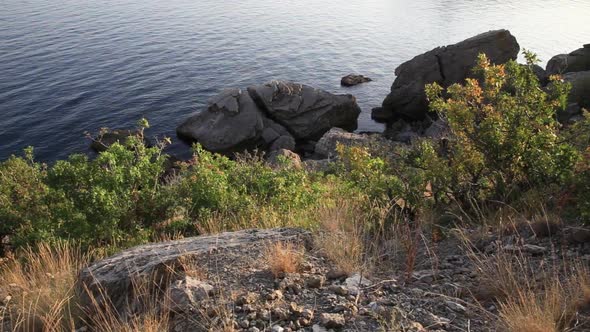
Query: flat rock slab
[{"x": 113, "y": 277}]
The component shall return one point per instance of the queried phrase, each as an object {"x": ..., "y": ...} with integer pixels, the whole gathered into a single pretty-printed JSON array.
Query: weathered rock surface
[
  {"x": 353, "y": 79},
  {"x": 278, "y": 158},
  {"x": 110, "y": 280},
  {"x": 305, "y": 111},
  {"x": 580, "y": 92},
  {"x": 326, "y": 146},
  {"x": 578, "y": 60},
  {"x": 231, "y": 122},
  {"x": 110, "y": 137},
  {"x": 271, "y": 116},
  {"x": 444, "y": 65}
]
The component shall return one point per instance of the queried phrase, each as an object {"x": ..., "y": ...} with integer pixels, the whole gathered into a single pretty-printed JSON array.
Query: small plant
[{"x": 283, "y": 257}]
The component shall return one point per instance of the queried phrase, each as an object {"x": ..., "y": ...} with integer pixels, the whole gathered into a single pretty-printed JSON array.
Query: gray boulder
[
  {"x": 445, "y": 65},
  {"x": 326, "y": 146},
  {"x": 305, "y": 111},
  {"x": 281, "y": 158},
  {"x": 578, "y": 60},
  {"x": 110, "y": 281},
  {"x": 232, "y": 122},
  {"x": 580, "y": 92}
]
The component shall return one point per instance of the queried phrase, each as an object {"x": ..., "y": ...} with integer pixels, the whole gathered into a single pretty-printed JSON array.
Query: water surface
[{"x": 68, "y": 66}]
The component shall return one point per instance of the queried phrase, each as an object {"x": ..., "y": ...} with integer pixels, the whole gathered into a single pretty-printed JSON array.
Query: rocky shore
[
  {"x": 307, "y": 121},
  {"x": 209, "y": 282}
]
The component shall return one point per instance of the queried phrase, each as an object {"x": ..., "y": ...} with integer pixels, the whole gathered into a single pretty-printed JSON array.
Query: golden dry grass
[
  {"x": 340, "y": 238},
  {"x": 42, "y": 286},
  {"x": 283, "y": 257},
  {"x": 530, "y": 311}
]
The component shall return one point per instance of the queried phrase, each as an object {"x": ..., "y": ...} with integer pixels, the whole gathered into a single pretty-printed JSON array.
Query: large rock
[
  {"x": 110, "y": 281},
  {"x": 232, "y": 122},
  {"x": 271, "y": 117},
  {"x": 305, "y": 111},
  {"x": 580, "y": 92},
  {"x": 444, "y": 65},
  {"x": 578, "y": 60}
]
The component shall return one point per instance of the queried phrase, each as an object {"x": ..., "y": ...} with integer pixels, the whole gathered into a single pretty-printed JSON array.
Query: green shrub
[{"x": 503, "y": 135}]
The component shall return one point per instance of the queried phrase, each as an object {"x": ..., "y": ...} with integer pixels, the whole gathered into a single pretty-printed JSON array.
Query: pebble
[{"x": 332, "y": 320}]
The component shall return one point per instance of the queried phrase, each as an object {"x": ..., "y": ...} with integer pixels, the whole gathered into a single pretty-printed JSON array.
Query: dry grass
[
  {"x": 533, "y": 296},
  {"x": 283, "y": 257},
  {"x": 341, "y": 237},
  {"x": 530, "y": 311},
  {"x": 149, "y": 300},
  {"x": 42, "y": 286}
]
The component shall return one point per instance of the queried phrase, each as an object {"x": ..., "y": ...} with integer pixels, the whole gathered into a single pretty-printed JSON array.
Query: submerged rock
[
  {"x": 352, "y": 80},
  {"x": 445, "y": 65},
  {"x": 109, "y": 137}
]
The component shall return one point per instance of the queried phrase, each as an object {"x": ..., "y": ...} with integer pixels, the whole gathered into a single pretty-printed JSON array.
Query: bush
[{"x": 503, "y": 135}]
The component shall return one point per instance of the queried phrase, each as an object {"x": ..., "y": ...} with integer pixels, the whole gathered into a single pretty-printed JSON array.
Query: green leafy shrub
[{"x": 503, "y": 135}]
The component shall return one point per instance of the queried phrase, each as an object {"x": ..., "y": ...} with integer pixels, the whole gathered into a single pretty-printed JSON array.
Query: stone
[
  {"x": 444, "y": 65},
  {"x": 355, "y": 282},
  {"x": 528, "y": 248},
  {"x": 353, "y": 79},
  {"x": 316, "y": 281},
  {"x": 248, "y": 298},
  {"x": 339, "y": 290},
  {"x": 232, "y": 122},
  {"x": 282, "y": 158},
  {"x": 109, "y": 281},
  {"x": 379, "y": 114},
  {"x": 545, "y": 229},
  {"x": 326, "y": 146},
  {"x": 109, "y": 137},
  {"x": 317, "y": 328},
  {"x": 277, "y": 328},
  {"x": 455, "y": 306},
  {"x": 580, "y": 235},
  {"x": 580, "y": 92},
  {"x": 286, "y": 142},
  {"x": 305, "y": 111},
  {"x": 185, "y": 294},
  {"x": 541, "y": 74},
  {"x": 578, "y": 60},
  {"x": 321, "y": 165},
  {"x": 336, "y": 274},
  {"x": 332, "y": 321},
  {"x": 439, "y": 129}
]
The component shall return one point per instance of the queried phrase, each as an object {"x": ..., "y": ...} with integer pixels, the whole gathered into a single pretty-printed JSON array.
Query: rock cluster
[
  {"x": 233, "y": 286},
  {"x": 273, "y": 116},
  {"x": 445, "y": 65}
]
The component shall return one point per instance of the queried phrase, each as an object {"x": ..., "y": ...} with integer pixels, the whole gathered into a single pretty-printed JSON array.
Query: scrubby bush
[
  {"x": 503, "y": 135},
  {"x": 122, "y": 197}
]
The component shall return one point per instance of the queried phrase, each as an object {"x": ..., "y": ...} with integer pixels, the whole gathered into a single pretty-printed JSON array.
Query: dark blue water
[{"x": 67, "y": 66}]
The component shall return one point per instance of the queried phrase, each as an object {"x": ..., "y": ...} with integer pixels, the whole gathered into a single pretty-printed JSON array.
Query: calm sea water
[{"x": 67, "y": 66}]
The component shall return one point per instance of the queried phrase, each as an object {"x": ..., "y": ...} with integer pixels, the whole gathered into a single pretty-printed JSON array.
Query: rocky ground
[{"x": 230, "y": 284}]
